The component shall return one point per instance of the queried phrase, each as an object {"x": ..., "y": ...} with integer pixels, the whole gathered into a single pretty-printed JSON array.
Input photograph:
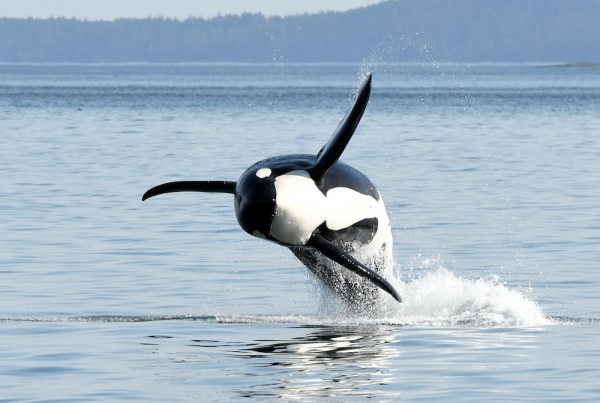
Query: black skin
[{"x": 254, "y": 198}]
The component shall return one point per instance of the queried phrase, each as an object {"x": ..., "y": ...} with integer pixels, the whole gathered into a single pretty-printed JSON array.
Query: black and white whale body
[{"x": 323, "y": 210}]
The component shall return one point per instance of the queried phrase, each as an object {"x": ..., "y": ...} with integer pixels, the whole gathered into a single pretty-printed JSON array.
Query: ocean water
[{"x": 491, "y": 178}]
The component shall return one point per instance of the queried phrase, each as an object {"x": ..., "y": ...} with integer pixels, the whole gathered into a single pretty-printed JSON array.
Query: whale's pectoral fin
[
  {"x": 339, "y": 256},
  {"x": 334, "y": 148},
  {"x": 191, "y": 186}
]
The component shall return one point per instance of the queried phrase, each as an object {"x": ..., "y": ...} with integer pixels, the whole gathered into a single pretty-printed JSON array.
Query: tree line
[{"x": 392, "y": 31}]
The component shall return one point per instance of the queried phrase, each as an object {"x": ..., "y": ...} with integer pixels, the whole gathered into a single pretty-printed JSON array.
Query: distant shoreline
[
  {"x": 580, "y": 64},
  {"x": 465, "y": 31}
]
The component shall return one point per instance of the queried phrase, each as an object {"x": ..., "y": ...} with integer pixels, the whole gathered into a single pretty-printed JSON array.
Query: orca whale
[{"x": 326, "y": 212}]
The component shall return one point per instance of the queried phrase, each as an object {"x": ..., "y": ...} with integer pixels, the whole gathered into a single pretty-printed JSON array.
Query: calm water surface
[{"x": 490, "y": 176}]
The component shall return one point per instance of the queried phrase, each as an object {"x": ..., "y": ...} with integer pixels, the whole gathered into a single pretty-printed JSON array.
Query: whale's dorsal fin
[
  {"x": 334, "y": 148},
  {"x": 191, "y": 186}
]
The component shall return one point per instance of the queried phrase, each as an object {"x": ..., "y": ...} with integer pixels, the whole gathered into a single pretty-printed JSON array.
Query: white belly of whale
[{"x": 301, "y": 207}]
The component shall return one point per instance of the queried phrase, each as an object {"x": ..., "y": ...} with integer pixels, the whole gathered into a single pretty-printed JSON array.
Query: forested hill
[{"x": 405, "y": 30}]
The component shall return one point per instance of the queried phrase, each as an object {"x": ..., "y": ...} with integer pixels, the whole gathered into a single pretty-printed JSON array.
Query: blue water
[{"x": 491, "y": 178}]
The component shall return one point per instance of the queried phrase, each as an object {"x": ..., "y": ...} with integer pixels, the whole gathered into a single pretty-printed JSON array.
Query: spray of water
[
  {"x": 435, "y": 297},
  {"x": 440, "y": 298}
]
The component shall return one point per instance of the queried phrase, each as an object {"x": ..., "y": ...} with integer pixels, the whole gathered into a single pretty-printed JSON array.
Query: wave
[
  {"x": 298, "y": 319},
  {"x": 462, "y": 320}
]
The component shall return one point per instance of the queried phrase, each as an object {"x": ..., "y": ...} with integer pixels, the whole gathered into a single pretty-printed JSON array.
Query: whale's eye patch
[{"x": 263, "y": 173}]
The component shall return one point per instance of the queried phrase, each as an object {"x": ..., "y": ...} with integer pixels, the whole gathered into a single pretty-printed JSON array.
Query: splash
[{"x": 440, "y": 298}]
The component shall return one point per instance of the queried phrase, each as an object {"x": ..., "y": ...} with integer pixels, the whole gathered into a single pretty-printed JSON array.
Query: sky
[{"x": 180, "y": 9}]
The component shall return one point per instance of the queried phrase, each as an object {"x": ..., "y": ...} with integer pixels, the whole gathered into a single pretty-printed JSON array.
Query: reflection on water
[
  {"x": 208, "y": 360},
  {"x": 329, "y": 362},
  {"x": 267, "y": 361},
  {"x": 264, "y": 360}
]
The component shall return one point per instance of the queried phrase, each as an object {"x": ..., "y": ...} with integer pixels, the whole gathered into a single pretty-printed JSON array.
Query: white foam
[{"x": 440, "y": 298}]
